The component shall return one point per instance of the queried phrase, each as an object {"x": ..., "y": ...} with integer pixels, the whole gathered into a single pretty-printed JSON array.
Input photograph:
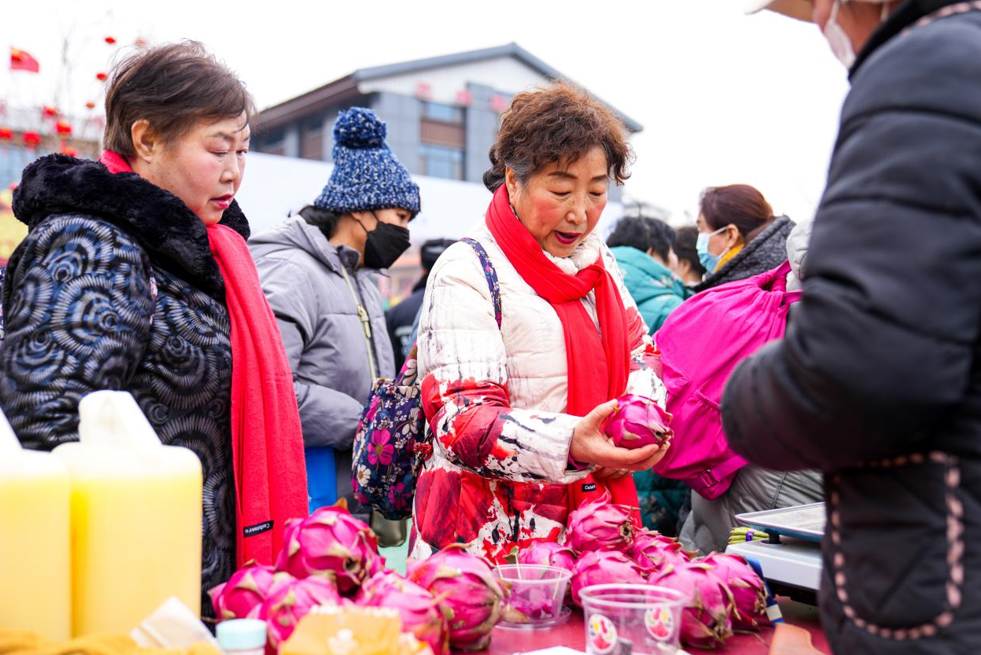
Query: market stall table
[{"x": 573, "y": 635}]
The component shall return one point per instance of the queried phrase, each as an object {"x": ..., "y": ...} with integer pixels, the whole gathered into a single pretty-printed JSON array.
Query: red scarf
[
  {"x": 598, "y": 361},
  {"x": 267, "y": 440}
]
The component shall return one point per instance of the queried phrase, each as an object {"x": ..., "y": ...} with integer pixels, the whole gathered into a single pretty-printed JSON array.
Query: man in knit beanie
[{"x": 318, "y": 271}]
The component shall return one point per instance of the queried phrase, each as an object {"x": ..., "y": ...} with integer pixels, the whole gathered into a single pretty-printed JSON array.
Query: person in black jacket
[
  {"x": 877, "y": 381},
  {"x": 401, "y": 318}
]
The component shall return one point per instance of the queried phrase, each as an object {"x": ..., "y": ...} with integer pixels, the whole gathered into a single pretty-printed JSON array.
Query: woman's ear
[
  {"x": 733, "y": 237},
  {"x": 145, "y": 142},
  {"x": 511, "y": 182}
]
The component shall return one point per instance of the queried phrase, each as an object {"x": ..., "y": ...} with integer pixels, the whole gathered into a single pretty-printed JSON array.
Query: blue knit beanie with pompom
[{"x": 366, "y": 173}]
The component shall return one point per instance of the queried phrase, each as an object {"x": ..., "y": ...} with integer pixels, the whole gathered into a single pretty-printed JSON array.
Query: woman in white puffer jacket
[{"x": 517, "y": 410}]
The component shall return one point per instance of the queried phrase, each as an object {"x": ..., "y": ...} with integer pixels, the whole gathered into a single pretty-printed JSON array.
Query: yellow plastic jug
[
  {"x": 135, "y": 517},
  {"x": 35, "y": 580}
]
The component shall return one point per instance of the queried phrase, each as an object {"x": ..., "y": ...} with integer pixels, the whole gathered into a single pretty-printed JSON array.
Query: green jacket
[{"x": 653, "y": 287}]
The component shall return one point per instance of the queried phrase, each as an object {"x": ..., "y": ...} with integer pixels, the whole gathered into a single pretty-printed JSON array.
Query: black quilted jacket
[
  {"x": 878, "y": 379},
  {"x": 79, "y": 316}
]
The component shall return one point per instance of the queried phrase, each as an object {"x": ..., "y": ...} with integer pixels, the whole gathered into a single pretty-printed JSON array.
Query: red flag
[{"x": 23, "y": 61}]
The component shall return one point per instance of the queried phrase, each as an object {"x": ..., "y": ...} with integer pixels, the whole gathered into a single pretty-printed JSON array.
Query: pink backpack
[{"x": 701, "y": 343}]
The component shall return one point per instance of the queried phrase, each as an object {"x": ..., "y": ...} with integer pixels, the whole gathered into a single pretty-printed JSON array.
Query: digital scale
[{"x": 790, "y": 557}]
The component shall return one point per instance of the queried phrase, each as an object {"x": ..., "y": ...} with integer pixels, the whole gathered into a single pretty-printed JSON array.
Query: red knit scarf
[
  {"x": 267, "y": 440},
  {"x": 598, "y": 361}
]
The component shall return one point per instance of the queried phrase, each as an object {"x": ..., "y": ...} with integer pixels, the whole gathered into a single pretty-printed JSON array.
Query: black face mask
[{"x": 385, "y": 244}]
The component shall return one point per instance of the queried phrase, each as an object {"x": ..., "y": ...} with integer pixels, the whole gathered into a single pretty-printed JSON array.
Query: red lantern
[
  {"x": 464, "y": 97},
  {"x": 102, "y": 77},
  {"x": 6, "y": 134},
  {"x": 63, "y": 128},
  {"x": 90, "y": 105},
  {"x": 498, "y": 103},
  {"x": 32, "y": 139},
  {"x": 49, "y": 112},
  {"x": 424, "y": 91},
  {"x": 110, "y": 40},
  {"x": 68, "y": 150}
]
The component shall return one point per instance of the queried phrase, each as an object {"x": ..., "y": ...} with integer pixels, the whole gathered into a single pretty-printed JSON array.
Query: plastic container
[
  {"x": 632, "y": 618},
  {"x": 242, "y": 636},
  {"x": 135, "y": 517},
  {"x": 35, "y": 546},
  {"x": 537, "y": 595}
]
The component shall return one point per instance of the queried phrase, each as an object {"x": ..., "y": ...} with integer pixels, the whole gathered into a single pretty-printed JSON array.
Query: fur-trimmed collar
[{"x": 173, "y": 236}]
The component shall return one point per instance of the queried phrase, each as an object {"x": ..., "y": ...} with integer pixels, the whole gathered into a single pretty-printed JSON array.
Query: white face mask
[{"x": 841, "y": 44}]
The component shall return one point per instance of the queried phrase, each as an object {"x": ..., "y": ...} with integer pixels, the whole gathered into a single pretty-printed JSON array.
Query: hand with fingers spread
[{"x": 591, "y": 446}]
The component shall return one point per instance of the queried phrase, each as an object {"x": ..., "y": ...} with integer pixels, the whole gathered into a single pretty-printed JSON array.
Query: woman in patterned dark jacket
[{"x": 135, "y": 276}]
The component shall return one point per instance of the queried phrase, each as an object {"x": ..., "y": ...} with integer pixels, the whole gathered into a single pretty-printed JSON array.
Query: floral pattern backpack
[{"x": 393, "y": 440}]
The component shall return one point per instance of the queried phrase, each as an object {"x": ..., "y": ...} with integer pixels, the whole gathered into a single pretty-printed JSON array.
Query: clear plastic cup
[
  {"x": 537, "y": 595},
  {"x": 632, "y": 618}
]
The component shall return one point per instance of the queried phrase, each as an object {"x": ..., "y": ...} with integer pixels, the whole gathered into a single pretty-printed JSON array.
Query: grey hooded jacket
[{"x": 300, "y": 272}]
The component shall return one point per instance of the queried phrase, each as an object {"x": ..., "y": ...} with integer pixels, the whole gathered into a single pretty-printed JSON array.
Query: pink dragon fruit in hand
[
  {"x": 331, "y": 543},
  {"x": 600, "y": 525},
  {"x": 245, "y": 591},
  {"x": 420, "y": 611},
  {"x": 604, "y": 567},
  {"x": 637, "y": 422},
  {"x": 284, "y": 608},
  {"x": 468, "y": 588},
  {"x": 748, "y": 590},
  {"x": 652, "y": 551},
  {"x": 707, "y": 619},
  {"x": 549, "y": 553}
]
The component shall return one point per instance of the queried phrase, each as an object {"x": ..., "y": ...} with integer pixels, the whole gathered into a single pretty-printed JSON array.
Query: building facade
[{"x": 442, "y": 112}]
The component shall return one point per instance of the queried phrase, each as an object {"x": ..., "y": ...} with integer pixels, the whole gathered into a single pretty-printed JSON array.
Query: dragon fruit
[
  {"x": 420, "y": 611},
  {"x": 549, "y": 553},
  {"x": 652, "y": 551},
  {"x": 600, "y": 525},
  {"x": 469, "y": 590},
  {"x": 331, "y": 543},
  {"x": 748, "y": 590},
  {"x": 290, "y": 602},
  {"x": 706, "y": 621},
  {"x": 637, "y": 422},
  {"x": 245, "y": 591},
  {"x": 604, "y": 567}
]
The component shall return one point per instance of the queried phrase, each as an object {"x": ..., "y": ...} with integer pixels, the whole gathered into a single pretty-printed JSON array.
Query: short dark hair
[
  {"x": 560, "y": 123},
  {"x": 430, "y": 251},
  {"x": 737, "y": 204},
  {"x": 684, "y": 246},
  {"x": 643, "y": 233},
  {"x": 173, "y": 87},
  {"x": 320, "y": 218}
]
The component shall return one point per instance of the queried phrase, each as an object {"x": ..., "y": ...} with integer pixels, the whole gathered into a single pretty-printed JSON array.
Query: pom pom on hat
[
  {"x": 359, "y": 128},
  {"x": 367, "y": 174}
]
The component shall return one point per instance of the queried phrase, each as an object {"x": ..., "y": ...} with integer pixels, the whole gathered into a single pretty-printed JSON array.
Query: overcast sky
[{"x": 723, "y": 97}]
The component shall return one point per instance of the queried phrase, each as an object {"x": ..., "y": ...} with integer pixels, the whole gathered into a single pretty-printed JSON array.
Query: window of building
[
  {"x": 272, "y": 142},
  {"x": 312, "y": 138},
  {"x": 443, "y": 113},
  {"x": 441, "y": 161}
]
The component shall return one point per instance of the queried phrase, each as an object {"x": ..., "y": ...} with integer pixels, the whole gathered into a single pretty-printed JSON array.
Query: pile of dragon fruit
[
  {"x": 603, "y": 545},
  {"x": 331, "y": 558}
]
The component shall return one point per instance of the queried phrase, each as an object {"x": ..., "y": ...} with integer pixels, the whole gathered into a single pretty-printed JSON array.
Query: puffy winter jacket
[
  {"x": 300, "y": 272},
  {"x": 80, "y": 316},
  {"x": 878, "y": 379},
  {"x": 653, "y": 287},
  {"x": 496, "y": 400}
]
